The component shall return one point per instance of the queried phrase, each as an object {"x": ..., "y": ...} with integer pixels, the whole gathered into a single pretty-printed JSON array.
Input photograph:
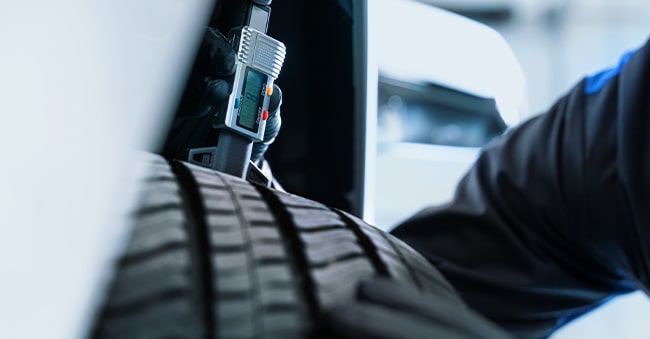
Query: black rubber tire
[{"x": 214, "y": 256}]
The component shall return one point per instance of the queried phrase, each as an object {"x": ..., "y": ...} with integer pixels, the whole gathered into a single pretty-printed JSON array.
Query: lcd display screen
[{"x": 251, "y": 102}]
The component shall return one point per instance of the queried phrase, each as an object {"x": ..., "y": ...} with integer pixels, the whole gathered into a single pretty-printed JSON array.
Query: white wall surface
[{"x": 83, "y": 85}]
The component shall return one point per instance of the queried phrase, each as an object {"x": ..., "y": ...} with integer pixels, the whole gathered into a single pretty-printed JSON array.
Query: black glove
[
  {"x": 385, "y": 309},
  {"x": 273, "y": 124},
  {"x": 206, "y": 95}
]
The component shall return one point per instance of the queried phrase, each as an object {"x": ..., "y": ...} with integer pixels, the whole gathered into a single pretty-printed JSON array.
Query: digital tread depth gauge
[{"x": 259, "y": 61}]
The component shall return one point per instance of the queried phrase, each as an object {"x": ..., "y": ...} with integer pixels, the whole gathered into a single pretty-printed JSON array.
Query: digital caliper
[
  {"x": 259, "y": 60},
  {"x": 258, "y": 64}
]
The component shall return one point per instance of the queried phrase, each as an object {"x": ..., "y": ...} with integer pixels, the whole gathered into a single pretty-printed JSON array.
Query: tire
[{"x": 213, "y": 256}]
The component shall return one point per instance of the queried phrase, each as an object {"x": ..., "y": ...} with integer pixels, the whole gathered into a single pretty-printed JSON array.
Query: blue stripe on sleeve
[{"x": 596, "y": 82}]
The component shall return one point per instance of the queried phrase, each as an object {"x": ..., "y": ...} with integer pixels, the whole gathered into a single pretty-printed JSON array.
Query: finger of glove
[
  {"x": 215, "y": 92},
  {"x": 276, "y": 101},
  {"x": 364, "y": 320},
  {"x": 274, "y": 121},
  {"x": 218, "y": 55},
  {"x": 270, "y": 133},
  {"x": 441, "y": 310},
  {"x": 213, "y": 99},
  {"x": 273, "y": 124},
  {"x": 211, "y": 76}
]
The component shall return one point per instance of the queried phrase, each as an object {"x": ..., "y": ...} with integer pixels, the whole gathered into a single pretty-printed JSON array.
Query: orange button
[
  {"x": 265, "y": 115},
  {"x": 269, "y": 90}
]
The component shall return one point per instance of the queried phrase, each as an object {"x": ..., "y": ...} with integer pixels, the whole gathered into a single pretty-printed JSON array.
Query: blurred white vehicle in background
[{"x": 446, "y": 86}]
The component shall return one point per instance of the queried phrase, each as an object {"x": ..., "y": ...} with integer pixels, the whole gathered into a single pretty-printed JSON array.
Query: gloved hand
[
  {"x": 385, "y": 309},
  {"x": 206, "y": 95},
  {"x": 273, "y": 124}
]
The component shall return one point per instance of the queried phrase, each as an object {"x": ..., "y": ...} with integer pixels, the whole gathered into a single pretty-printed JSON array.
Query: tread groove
[
  {"x": 270, "y": 261},
  {"x": 291, "y": 236},
  {"x": 366, "y": 244},
  {"x": 404, "y": 262},
  {"x": 321, "y": 229},
  {"x": 217, "y": 211},
  {"x": 197, "y": 230},
  {"x": 337, "y": 260},
  {"x": 247, "y": 246}
]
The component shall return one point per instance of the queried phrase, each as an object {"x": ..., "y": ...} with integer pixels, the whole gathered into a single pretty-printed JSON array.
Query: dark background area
[{"x": 312, "y": 155}]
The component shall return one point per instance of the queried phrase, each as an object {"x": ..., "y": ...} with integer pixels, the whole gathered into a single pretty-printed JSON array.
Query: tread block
[
  {"x": 269, "y": 252},
  {"x": 270, "y": 275},
  {"x": 265, "y": 235},
  {"x": 153, "y": 199},
  {"x": 397, "y": 270},
  {"x": 216, "y": 196},
  {"x": 279, "y": 298},
  {"x": 227, "y": 238},
  {"x": 172, "y": 318},
  {"x": 236, "y": 317},
  {"x": 421, "y": 265},
  {"x": 260, "y": 218},
  {"x": 156, "y": 231},
  {"x": 330, "y": 253},
  {"x": 283, "y": 324},
  {"x": 327, "y": 236},
  {"x": 174, "y": 259},
  {"x": 230, "y": 262},
  {"x": 309, "y": 219},
  {"x": 353, "y": 270},
  {"x": 239, "y": 284},
  {"x": 219, "y": 222},
  {"x": 156, "y": 172},
  {"x": 233, "y": 273},
  {"x": 148, "y": 287},
  {"x": 291, "y": 200}
]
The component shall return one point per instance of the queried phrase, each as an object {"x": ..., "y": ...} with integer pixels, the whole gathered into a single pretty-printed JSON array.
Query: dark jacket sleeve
[{"x": 552, "y": 220}]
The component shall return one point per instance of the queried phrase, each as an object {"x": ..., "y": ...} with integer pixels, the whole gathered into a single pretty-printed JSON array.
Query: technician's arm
[{"x": 553, "y": 219}]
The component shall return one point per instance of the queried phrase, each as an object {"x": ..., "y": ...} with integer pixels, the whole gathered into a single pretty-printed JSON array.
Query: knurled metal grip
[{"x": 267, "y": 53}]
